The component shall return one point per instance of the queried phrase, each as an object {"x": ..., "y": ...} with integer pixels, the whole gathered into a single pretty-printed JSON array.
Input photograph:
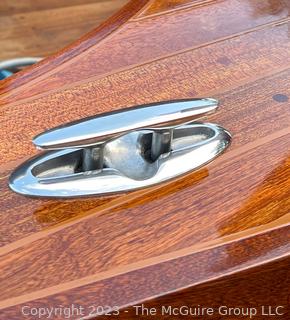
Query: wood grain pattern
[
  {"x": 266, "y": 107},
  {"x": 10, "y": 7},
  {"x": 163, "y": 35},
  {"x": 216, "y": 226},
  {"x": 40, "y": 28},
  {"x": 257, "y": 286},
  {"x": 123, "y": 288},
  {"x": 162, "y": 6}
]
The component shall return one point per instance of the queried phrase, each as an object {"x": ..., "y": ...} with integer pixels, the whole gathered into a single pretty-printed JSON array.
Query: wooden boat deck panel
[{"x": 235, "y": 209}]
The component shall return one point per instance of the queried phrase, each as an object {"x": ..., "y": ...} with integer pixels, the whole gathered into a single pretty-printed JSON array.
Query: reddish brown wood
[
  {"x": 75, "y": 49},
  {"x": 162, "y": 277},
  {"x": 162, "y": 35},
  {"x": 161, "y": 6},
  {"x": 255, "y": 290},
  {"x": 230, "y": 217}
]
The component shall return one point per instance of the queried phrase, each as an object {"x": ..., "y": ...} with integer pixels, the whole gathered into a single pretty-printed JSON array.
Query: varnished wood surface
[
  {"x": 250, "y": 289},
  {"x": 161, "y": 37},
  {"x": 230, "y": 217},
  {"x": 162, "y": 276},
  {"x": 42, "y": 27}
]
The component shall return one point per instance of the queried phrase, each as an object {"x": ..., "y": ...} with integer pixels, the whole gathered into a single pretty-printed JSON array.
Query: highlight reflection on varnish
[{"x": 215, "y": 237}]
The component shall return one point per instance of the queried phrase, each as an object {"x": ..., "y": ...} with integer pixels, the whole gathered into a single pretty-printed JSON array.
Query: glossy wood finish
[
  {"x": 42, "y": 27},
  {"x": 225, "y": 222},
  {"x": 250, "y": 289},
  {"x": 156, "y": 7},
  {"x": 161, "y": 39}
]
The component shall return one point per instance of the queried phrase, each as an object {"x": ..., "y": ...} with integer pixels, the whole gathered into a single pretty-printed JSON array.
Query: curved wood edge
[
  {"x": 161, "y": 279},
  {"x": 262, "y": 296},
  {"x": 121, "y": 50},
  {"x": 183, "y": 271},
  {"x": 90, "y": 39}
]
